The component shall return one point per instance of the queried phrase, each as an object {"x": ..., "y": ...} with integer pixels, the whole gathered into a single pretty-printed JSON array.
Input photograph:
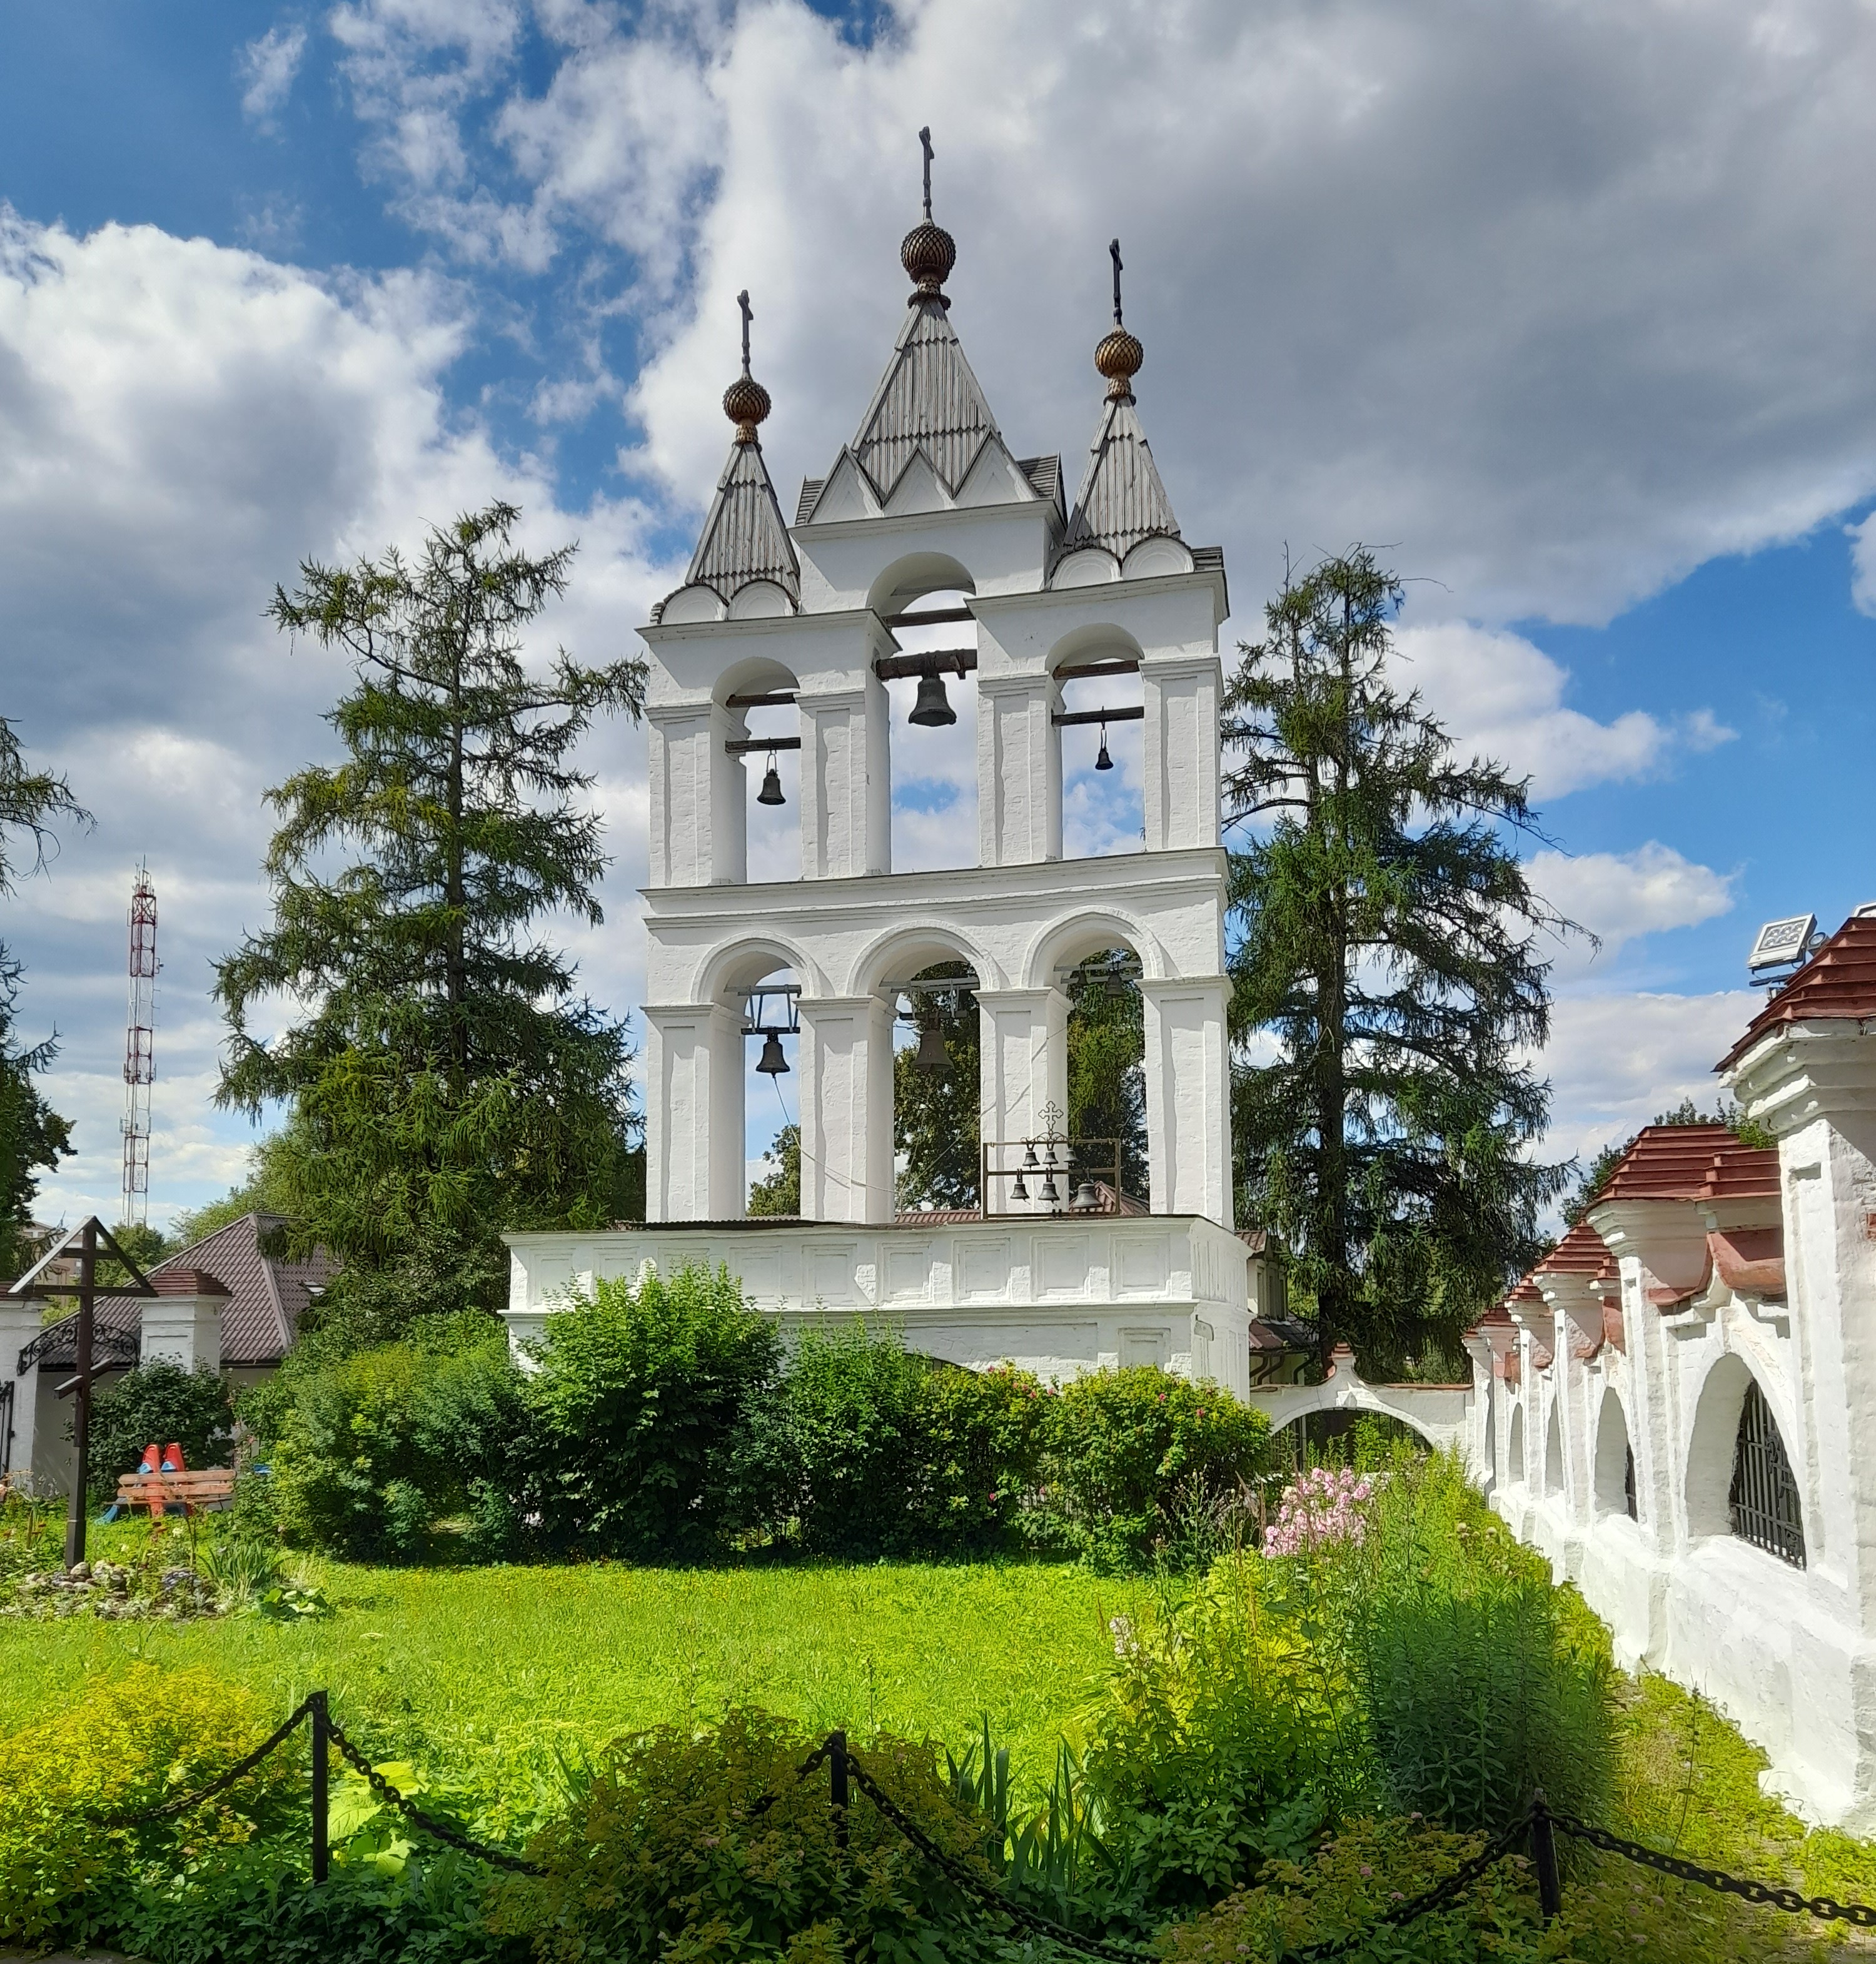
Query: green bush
[
  {"x": 1130, "y": 1453},
  {"x": 978, "y": 1461},
  {"x": 636, "y": 1413},
  {"x": 135, "y": 1741},
  {"x": 370, "y": 1453},
  {"x": 158, "y": 1403},
  {"x": 666, "y": 1855},
  {"x": 865, "y": 1449}
]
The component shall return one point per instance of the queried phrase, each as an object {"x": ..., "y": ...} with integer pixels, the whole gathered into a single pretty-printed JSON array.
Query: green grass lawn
[{"x": 481, "y": 1670}]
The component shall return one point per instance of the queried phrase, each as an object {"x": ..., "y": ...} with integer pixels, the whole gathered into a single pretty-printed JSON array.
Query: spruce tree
[
  {"x": 33, "y": 1138},
  {"x": 1384, "y": 940},
  {"x": 441, "y": 1081}
]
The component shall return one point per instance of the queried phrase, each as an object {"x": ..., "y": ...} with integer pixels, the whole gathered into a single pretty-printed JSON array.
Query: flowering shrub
[{"x": 1326, "y": 1505}]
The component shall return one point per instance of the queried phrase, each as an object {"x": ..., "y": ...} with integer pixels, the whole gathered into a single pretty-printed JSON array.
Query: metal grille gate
[{"x": 1764, "y": 1495}]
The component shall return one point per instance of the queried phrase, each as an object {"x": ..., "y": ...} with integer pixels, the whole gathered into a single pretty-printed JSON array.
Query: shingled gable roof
[
  {"x": 1838, "y": 982},
  {"x": 1122, "y": 500},
  {"x": 928, "y": 402},
  {"x": 744, "y": 538},
  {"x": 266, "y": 1293}
]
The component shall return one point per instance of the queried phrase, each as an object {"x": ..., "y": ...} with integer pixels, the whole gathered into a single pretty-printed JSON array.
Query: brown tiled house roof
[
  {"x": 266, "y": 1293},
  {"x": 1839, "y": 980}
]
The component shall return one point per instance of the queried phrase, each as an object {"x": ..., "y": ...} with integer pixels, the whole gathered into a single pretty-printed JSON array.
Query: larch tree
[
  {"x": 1387, "y": 982},
  {"x": 440, "y": 1079},
  {"x": 33, "y": 1138}
]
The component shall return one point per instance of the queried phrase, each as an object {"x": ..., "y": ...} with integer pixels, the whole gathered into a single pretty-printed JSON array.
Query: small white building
[
  {"x": 1678, "y": 1405},
  {"x": 928, "y": 500}
]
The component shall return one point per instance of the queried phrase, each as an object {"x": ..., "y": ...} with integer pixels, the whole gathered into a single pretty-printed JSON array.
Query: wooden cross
[
  {"x": 742, "y": 301},
  {"x": 925, "y": 144},
  {"x": 1114, "y": 253}
]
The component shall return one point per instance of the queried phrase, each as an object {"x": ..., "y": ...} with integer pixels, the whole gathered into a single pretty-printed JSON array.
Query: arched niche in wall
[
  {"x": 759, "y": 978},
  {"x": 1741, "y": 1480},
  {"x": 1616, "y": 1487},
  {"x": 760, "y": 696},
  {"x": 934, "y": 766},
  {"x": 1554, "y": 1451},
  {"x": 1515, "y": 1450}
]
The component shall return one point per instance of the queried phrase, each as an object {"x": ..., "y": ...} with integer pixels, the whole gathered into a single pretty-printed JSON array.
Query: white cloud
[
  {"x": 1556, "y": 301},
  {"x": 180, "y": 425},
  {"x": 1863, "y": 564},
  {"x": 1619, "y": 897},
  {"x": 1615, "y": 1061},
  {"x": 1502, "y": 698},
  {"x": 268, "y": 65}
]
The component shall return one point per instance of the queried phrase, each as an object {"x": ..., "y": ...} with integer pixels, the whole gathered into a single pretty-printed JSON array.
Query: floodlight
[{"x": 1781, "y": 942}]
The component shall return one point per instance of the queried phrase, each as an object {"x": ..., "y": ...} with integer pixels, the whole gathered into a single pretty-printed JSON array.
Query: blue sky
[{"x": 1559, "y": 305}]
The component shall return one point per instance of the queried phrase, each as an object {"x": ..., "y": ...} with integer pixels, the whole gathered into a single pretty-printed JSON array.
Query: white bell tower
[{"x": 927, "y": 499}]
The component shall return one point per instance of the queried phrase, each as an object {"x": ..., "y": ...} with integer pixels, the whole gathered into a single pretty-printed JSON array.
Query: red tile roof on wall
[
  {"x": 1839, "y": 980},
  {"x": 1581, "y": 1252},
  {"x": 267, "y": 1294},
  {"x": 186, "y": 1282},
  {"x": 1691, "y": 1162}
]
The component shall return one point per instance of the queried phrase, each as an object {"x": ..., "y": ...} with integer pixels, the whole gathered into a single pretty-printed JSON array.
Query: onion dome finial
[
  {"x": 745, "y": 401},
  {"x": 1119, "y": 355},
  {"x": 928, "y": 252}
]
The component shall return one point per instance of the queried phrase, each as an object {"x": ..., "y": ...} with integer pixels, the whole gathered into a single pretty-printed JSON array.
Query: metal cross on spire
[
  {"x": 742, "y": 301},
  {"x": 925, "y": 144},
  {"x": 1114, "y": 253}
]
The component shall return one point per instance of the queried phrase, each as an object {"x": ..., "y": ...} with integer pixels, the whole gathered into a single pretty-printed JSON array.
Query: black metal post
[
  {"x": 81, "y": 1402},
  {"x": 837, "y": 1783},
  {"x": 322, "y": 1749},
  {"x": 1543, "y": 1858}
]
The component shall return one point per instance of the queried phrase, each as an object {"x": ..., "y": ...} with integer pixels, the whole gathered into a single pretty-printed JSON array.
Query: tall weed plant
[{"x": 1477, "y": 1680}]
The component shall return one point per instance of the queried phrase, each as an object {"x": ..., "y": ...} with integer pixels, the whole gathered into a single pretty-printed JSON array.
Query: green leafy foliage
[
  {"x": 935, "y": 1128},
  {"x": 1384, "y": 936},
  {"x": 865, "y": 1449},
  {"x": 158, "y": 1403},
  {"x": 443, "y": 1083},
  {"x": 780, "y": 1192},
  {"x": 1128, "y": 1449},
  {"x": 371, "y": 1451},
  {"x": 636, "y": 1412},
  {"x": 664, "y": 1854}
]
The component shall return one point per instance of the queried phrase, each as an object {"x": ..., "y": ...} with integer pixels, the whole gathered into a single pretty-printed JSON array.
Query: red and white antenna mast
[{"x": 140, "y": 1049}]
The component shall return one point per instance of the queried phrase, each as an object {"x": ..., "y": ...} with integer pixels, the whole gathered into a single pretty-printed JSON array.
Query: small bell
[
  {"x": 1103, "y": 761},
  {"x": 933, "y": 710},
  {"x": 1021, "y": 1190},
  {"x": 932, "y": 1059},
  {"x": 771, "y": 793},
  {"x": 1049, "y": 1193},
  {"x": 1115, "y": 986},
  {"x": 1087, "y": 1198},
  {"x": 771, "y": 1062}
]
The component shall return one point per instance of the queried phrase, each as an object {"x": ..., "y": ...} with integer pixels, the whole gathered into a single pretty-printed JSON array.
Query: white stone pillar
[
  {"x": 846, "y": 1104},
  {"x": 1188, "y": 1097},
  {"x": 1181, "y": 749},
  {"x": 19, "y": 1324},
  {"x": 694, "y": 1145},
  {"x": 182, "y": 1322},
  {"x": 846, "y": 781},
  {"x": 1023, "y": 1066},
  {"x": 699, "y": 823},
  {"x": 1019, "y": 770}
]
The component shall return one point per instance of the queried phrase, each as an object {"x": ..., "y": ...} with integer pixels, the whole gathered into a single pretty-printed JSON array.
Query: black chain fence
[{"x": 1535, "y": 1829}]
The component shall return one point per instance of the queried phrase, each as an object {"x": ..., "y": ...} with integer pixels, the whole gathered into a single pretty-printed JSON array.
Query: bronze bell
[
  {"x": 1103, "y": 761},
  {"x": 931, "y": 1059},
  {"x": 771, "y": 793},
  {"x": 771, "y": 1062},
  {"x": 933, "y": 710},
  {"x": 1087, "y": 1198}
]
